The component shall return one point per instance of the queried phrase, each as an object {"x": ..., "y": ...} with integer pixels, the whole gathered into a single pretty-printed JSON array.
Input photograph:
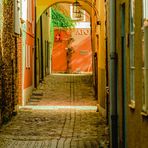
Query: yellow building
[
  {"x": 42, "y": 64},
  {"x": 127, "y": 48},
  {"x": 119, "y": 30},
  {"x": 97, "y": 12}
]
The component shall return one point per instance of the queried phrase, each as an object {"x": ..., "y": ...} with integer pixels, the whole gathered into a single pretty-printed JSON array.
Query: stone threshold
[{"x": 58, "y": 107}]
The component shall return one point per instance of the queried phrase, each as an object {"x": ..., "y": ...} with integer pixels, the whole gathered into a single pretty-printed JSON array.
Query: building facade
[
  {"x": 27, "y": 48},
  {"x": 25, "y": 26},
  {"x": 8, "y": 60},
  {"x": 129, "y": 56},
  {"x": 79, "y": 59},
  {"x": 119, "y": 30},
  {"x": 43, "y": 48}
]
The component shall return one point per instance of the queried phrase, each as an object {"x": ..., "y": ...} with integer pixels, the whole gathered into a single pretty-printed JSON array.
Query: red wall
[
  {"x": 28, "y": 75},
  {"x": 81, "y": 60},
  {"x": 29, "y": 71}
]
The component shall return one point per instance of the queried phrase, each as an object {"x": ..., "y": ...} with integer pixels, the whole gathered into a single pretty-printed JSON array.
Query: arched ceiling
[{"x": 42, "y": 5}]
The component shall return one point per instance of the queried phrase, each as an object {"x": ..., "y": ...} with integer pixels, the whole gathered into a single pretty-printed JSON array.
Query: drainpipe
[
  {"x": 113, "y": 77},
  {"x": 146, "y": 62},
  {"x": 41, "y": 34},
  {"x": 35, "y": 52}
]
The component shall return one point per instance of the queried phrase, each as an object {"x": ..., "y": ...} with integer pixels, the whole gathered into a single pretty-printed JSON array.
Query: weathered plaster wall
[
  {"x": 136, "y": 125},
  {"x": 101, "y": 51},
  {"x": 1, "y": 20},
  {"x": 9, "y": 62},
  {"x": 81, "y": 57},
  {"x": 45, "y": 38},
  {"x": 0, "y": 80},
  {"x": 38, "y": 53},
  {"x": 19, "y": 67}
]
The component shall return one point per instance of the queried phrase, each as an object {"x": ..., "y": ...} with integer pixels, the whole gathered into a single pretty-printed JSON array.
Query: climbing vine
[{"x": 59, "y": 19}]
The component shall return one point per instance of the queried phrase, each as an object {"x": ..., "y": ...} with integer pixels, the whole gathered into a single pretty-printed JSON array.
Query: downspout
[
  {"x": 113, "y": 77},
  {"x": 35, "y": 55},
  {"x": 146, "y": 63},
  {"x": 93, "y": 59},
  {"x": 41, "y": 33}
]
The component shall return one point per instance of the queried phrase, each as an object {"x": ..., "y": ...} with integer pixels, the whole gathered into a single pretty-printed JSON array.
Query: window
[
  {"x": 24, "y": 9},
  {"x": 145, "y": 57},
  {"x": 33, "y": 25},
  {"x": 27, "y": 56},
  {"x": 29, "y": 10},
  {"x": 83, "y": 14},
  {"x": 132, "y": 63},
  {"x": 145, "y": 9}
]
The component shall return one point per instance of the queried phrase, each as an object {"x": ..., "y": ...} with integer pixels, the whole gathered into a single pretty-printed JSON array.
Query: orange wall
[
  {"x": 81, "y": 60},
  {"x": 29, "y": 71},
  {"x": 28, "y": 76}
]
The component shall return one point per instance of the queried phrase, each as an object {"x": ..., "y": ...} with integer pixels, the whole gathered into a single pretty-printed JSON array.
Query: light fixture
[{"x": 76, "y": 10}]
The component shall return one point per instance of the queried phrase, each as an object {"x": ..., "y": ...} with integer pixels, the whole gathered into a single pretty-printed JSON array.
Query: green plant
[{"x": 61, "y": 20}]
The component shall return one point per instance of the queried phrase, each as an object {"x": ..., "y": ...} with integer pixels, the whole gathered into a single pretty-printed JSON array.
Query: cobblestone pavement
[
  {"x": 63, "y": 89},
  {"x": 58, "y": 128}
]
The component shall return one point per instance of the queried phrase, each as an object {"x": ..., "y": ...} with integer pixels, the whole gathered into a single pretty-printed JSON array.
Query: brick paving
[{"x": 58, "y": 128}]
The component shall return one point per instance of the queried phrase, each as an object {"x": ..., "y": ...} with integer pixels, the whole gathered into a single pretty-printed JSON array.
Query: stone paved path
[
  {"x": 58, "y": 128},
  {"x": 63, "y": 89}
]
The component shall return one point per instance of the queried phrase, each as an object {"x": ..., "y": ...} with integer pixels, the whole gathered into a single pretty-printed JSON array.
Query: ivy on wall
[{"x": 59, "y": 19}]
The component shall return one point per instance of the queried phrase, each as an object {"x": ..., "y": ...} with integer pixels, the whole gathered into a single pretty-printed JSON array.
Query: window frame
[
  {"x": 144, "y": 59},
  {"x": 29, "y": 11},
  {"x": 145, "y": 11},
  {"x": 28, "y": 56},
  {"x": 132, "y": 54}
]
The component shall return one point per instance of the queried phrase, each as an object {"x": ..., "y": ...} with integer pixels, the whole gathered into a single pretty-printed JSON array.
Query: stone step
[{"x": 34, "y": 93}]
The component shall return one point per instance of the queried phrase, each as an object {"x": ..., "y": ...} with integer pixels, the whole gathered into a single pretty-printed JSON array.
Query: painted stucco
[
  {"x": 43, "y": 46},
  {"x": 81, "y": 59},
  {"x": 42, "y": 5},
  {"x": 27, "y": 29}
]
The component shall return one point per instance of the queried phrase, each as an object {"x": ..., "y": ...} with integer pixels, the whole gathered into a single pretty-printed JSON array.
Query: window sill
[{"x": 144, "y": 114}]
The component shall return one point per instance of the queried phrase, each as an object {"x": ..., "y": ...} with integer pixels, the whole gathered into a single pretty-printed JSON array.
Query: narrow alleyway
[
  {"x": 65, "y": 90},
  {"x": 68, "y": 119}
]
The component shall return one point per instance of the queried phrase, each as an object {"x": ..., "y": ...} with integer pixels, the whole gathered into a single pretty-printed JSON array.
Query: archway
[
  {"x": 91, "y": 30},
  {"x": 42, "y": 5},
  {"x": 88, "y": 6}
]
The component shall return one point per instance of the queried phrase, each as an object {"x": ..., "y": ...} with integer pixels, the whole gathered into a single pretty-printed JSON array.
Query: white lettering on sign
[{"x": 83, "y": 32}]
